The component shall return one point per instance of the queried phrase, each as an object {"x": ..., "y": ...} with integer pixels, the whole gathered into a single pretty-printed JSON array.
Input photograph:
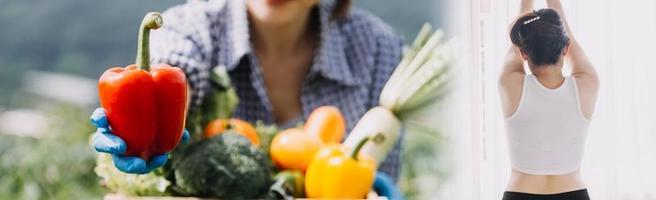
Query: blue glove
[
  {"x": 106, "y": 142},
  {"x": 384, "y": 186}
]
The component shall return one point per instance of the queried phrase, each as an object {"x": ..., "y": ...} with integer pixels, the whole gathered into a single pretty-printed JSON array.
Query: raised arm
[
  {"x": 514, "y": 64},
  {"x": 512, "y": 74},
  {"x": 581, "y": 66},
  {"x": 585, "y": 74}
]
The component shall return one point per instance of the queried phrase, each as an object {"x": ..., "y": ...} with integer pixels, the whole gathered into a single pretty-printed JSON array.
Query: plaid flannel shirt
[{"x": 355, "y": 58}]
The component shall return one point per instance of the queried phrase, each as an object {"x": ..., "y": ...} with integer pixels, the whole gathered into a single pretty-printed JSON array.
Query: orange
[{"x": 293, "y": 149}]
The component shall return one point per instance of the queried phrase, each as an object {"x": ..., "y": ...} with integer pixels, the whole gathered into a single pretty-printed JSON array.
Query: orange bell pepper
[
  {"x": 242, "y": 127},
  {"x": 326, "y": 123},
  {"x": 293, "y": 149},
  {"x": 145, "y": 107},
  {"x": 338, "y": 174}
]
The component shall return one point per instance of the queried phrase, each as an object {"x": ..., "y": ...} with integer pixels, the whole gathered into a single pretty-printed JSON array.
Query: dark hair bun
[{"x": 541, "y": 35}]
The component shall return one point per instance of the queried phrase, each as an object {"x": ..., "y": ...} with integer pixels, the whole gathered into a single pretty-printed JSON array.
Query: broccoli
[{"x": 226, "y": 166}]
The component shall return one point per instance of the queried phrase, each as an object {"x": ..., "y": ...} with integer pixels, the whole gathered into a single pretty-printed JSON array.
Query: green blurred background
[{"x": 53, "y": 51}]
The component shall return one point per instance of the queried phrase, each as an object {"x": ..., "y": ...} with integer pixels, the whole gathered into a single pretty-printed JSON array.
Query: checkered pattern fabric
[{"x": 356, "y": 56}]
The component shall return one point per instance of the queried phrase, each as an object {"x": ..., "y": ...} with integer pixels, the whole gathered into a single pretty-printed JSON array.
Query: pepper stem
[{"x": 152, "y": 20}]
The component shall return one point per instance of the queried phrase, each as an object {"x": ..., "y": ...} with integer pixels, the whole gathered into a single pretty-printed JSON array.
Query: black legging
[{"x": 573, "y": 195}]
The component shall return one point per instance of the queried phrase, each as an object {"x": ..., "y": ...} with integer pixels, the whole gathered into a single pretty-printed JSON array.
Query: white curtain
[{"x": 619, "y": 38}]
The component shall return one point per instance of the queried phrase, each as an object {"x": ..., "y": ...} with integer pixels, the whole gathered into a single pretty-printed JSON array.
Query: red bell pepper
[{"x": 145, "y": 107}]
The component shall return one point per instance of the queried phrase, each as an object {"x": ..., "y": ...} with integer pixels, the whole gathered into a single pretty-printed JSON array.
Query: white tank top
[{"x": 547, "y": 132}]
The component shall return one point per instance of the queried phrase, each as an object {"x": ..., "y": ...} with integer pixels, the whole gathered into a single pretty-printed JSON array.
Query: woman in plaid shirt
[{"x": 284, "y": 58}]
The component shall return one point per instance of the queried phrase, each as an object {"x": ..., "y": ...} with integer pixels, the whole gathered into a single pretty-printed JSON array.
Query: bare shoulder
[
  {"x": 587, "y": 81},
  {"x": 511, "y": 86},
  {"x": 588, "y": 88},
  {"x": 511, "y": 81}
]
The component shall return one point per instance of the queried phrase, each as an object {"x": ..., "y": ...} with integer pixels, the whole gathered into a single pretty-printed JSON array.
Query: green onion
[{"x": 419, "y": 80}]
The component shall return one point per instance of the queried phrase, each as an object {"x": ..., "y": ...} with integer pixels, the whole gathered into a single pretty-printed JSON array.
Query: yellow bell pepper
[{"x": 336, "y": 173}]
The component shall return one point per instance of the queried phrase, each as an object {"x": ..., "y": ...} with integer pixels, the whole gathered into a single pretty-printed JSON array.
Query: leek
[{"x": 420, "y": 79}]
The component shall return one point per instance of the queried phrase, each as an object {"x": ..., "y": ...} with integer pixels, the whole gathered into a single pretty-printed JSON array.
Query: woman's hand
[{"x": 106, "y": 142}]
